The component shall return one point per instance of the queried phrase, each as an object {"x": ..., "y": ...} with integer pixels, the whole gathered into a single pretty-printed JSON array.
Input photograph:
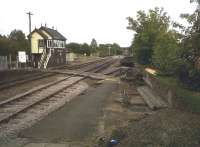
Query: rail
[
  {"x": 37, "y": 76},
  {"x": 10, "y": 108}
]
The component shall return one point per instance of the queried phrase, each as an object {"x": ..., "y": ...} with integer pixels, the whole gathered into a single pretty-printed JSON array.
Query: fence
[{"x": 3, "y": 63}]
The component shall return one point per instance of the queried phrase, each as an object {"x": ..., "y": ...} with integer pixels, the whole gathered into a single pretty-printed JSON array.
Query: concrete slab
[
  {"x": 137, "y": 100},
  {"x": 76, "y": 120},
  {"x": 152, "y": 99}
]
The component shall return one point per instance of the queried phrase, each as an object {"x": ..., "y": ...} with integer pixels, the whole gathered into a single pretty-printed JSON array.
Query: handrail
[
  {"x": 47, "y": 59},
  {"x": 42, "y": 58}
]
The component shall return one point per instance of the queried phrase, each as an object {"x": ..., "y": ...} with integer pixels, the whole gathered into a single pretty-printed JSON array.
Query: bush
[
  {"x": 165, "y": 50},
  {"x": 188, "y": 76},
  {"x": 191, "y": 79},
  {"x": 143, "y": 55}
]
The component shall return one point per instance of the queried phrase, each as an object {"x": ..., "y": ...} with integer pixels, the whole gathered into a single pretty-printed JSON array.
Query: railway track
[
  {"x": 78, "y": 66},
  {"x": 13, "y": 109},
  {"x": 20, "y": 104},
  {"x": 36, "y": 76},
  {"x": 28, "y": 78},
  {"x": 96, "y": 67}
]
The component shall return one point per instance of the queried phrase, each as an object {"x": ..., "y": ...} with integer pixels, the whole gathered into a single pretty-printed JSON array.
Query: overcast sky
[{"x": 81, "y": 20}]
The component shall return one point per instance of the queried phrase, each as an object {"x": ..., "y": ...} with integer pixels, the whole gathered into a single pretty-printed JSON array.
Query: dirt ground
[
  {"x": 122, "y": 107},
  {"x": 166, "y": 128},
  {"x": 132, "y": 124}
]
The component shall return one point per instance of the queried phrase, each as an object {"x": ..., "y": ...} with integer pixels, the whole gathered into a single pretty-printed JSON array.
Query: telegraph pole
[{"x": 29, "y": 16}]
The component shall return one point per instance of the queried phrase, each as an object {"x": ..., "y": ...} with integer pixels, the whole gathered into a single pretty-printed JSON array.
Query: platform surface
[{"x": 72, "y": 123}]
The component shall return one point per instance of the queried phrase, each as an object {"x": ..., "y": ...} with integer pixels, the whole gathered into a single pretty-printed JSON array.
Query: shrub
[
  {"x": 188, "y": 76},
  {"x": 143, "y": 55},
  {"x": 165, "y": 50}
]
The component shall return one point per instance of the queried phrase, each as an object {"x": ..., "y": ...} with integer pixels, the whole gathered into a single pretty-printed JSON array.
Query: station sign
[{"x": 22, "y": 56}]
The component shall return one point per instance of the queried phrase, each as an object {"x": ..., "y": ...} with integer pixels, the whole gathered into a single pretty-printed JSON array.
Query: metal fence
[{"x": 3, "y": 63}]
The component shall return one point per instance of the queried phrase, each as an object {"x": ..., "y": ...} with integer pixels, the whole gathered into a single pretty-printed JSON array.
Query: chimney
[
  {"x": 53, "y": 27},
  {"x": 45, "y": 25}
]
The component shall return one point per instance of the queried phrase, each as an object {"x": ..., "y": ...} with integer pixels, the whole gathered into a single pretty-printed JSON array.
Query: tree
[
  {"x": 147, "y": 28},
  {"x": 165, "y": 52},
  {"x": 191, "y": 40},
  {"x": 103, "y": 50},
  {"x": 86, "y": 49},
  {"x": 17, "y": 35},
  {"x": 189, "y": 70},
  {"x": 14, "y": 42},
  {"x": 18, "y": 42},
  {"x": 79, "y": 48},
  {"x": 115, "y": 49},
  {"x": 74, "y": 47},
  {"x": 4, "y": 46}
]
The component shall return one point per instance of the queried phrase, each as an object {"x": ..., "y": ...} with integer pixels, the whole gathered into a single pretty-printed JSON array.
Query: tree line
[
  {"x": 12, "y": 43},
  {"x": 101, "y": 50},
  {"x": 168, "y": 46},
  {"x": 17, "y": 41}
]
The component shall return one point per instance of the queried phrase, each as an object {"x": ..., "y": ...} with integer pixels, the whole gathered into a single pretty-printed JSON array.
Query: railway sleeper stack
[{"x": 153, "y": 101}]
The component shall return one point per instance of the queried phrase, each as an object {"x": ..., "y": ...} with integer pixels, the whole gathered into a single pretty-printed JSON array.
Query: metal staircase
[
  {"x": 47, "y": 59},
  {"x": 44, "y": 59}
]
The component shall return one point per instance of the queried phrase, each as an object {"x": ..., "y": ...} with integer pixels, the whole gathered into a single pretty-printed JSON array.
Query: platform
[{"x": 72, "y": 124}]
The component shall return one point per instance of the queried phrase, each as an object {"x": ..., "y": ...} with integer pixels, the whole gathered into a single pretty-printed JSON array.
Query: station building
[{"x": 47, "y": 47}]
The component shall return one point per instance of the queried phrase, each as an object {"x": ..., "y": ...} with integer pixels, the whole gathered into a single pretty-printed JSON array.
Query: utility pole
[{"x": 29, "y": 16}]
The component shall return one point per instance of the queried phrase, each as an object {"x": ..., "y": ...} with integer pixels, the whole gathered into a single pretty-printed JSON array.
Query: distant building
[{"x": 47, "y": 47}]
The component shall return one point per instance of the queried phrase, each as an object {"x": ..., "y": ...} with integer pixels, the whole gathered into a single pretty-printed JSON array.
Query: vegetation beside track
[
  {"x": 189, "y": 98},
  {"x": 175, "y": 54}
]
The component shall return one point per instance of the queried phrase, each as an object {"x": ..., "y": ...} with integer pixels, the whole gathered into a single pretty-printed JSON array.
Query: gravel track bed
[
  {"x": 10, "y": 92},
  {"x": 21, "y": 103},
  {"x": 15, "y": 74},
  {"x": 38, "y": 112},
  {"x": 15, "y": 90}
]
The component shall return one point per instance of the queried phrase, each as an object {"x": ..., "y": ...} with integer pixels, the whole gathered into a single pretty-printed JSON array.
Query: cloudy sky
[{"x": 82, "y": 20}]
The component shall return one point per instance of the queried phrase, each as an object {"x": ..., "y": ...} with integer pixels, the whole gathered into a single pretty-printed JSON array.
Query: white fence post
[{"x": 3, "y": 63}]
